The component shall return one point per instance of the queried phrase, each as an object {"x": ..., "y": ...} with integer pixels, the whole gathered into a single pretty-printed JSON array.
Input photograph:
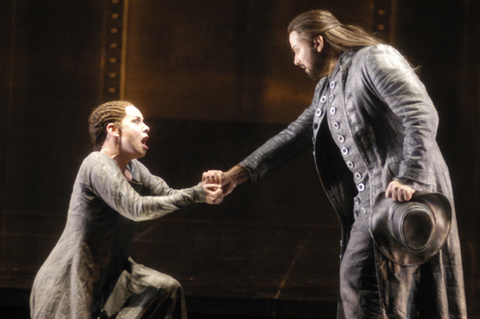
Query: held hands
[
  {"x": 223, "y": 183},
  {"x": 212, "y": 186},
  {"x": 399, "y": 192}
]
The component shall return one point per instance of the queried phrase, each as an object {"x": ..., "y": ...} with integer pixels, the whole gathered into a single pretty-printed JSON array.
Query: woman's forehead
[{"x": 131, "y": 110}]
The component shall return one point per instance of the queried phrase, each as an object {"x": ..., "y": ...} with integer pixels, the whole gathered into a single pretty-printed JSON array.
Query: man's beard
[{"x": 320, "y": 66}]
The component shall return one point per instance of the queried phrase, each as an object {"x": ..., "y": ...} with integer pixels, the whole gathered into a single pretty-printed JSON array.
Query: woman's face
[{"x": 134, "y": 133}]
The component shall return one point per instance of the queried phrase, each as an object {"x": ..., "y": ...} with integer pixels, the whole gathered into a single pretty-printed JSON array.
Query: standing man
[
  {"x": 89, "y": 273},
  {"x": 374, "y": 128}
]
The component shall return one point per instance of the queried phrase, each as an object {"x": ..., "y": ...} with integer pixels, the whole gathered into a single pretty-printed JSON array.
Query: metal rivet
[
  {"x": 333, "y": 111},
  {"x": 323, "y": 99}
]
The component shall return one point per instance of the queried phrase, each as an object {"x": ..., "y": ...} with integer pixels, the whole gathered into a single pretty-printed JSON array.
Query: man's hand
[
  {"x": 399, "y": 192},
  {"x": 212, "y": 177},
  {"x": 234, "y": 177},
  {"x": 229, "y": 180}
]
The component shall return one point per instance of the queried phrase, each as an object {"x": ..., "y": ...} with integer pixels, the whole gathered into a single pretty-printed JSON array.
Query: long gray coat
[
  {"x": 91, "y": 255},
  {"x": 372, "y": 120}
]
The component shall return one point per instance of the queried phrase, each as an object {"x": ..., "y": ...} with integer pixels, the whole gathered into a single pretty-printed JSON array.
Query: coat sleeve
[
  {"x": 394, "y": 81},
  {"x": 283, "y": 147},
  {"x": 108, "y": 183}
]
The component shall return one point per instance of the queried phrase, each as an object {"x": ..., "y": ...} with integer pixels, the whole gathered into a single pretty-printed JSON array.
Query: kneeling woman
[{"x": 89, "y": 273}]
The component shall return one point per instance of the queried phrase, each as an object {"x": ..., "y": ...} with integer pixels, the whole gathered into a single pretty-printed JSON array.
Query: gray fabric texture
[
  {"x": 82, "y": 270},
  {"x": 371, "y": 121}
]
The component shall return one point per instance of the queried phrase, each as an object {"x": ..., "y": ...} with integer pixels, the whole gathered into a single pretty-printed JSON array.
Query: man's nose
[{"x": 296, "y": 60}]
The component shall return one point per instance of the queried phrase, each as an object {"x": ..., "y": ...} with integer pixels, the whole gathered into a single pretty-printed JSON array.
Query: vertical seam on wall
[
  {"x": 124, "y": 49},
  {"x": 113, "y": 50}
]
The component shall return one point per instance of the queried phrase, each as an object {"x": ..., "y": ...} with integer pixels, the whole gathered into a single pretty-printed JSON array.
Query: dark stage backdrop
[{"x": 214, "y": 79}]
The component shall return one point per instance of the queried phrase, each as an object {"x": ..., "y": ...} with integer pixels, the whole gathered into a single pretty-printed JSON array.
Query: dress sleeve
[
  {"x": 394, "y": 81},
  {"x": 108, "y": 183},
  {"x": 283, "y": 147},
  {"x": 156, "y": 185}
]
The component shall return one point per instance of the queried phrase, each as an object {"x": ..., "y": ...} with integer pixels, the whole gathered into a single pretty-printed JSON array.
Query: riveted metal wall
[
  {"x": 113, "y": 51},
  {"x": 383, "y": 19}
]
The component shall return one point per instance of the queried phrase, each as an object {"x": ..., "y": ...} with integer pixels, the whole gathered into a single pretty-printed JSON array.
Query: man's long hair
[
  {"x": 337, "y": 36},
  {"x": 110, "y": 112}
]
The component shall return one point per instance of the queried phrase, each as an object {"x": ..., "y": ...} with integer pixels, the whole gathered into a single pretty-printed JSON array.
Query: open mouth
[{"x": 144, "y": 142}]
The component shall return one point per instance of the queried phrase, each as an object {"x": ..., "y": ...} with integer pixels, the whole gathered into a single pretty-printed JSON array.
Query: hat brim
[{"x": 388, "y": 243}]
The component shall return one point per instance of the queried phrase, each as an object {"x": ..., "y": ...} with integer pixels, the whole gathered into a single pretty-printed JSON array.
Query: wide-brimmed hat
[{"x": 410, "y": 233}]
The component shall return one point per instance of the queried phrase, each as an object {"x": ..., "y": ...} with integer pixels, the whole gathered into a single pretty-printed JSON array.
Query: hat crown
[
  {"x": 410, "y": 233},
  {"x": 413, "y": 225}
]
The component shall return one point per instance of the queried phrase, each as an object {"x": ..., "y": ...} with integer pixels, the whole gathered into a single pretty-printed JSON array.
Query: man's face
[
  {"x": 134, "y": 135},
  {"x": 307, "y": 56}
]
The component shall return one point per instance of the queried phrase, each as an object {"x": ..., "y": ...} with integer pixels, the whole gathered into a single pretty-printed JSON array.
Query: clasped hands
[{"x": 217, "y": 184}]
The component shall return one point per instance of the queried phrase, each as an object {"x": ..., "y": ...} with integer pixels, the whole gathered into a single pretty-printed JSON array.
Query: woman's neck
[{"x": 122, "y": 162}]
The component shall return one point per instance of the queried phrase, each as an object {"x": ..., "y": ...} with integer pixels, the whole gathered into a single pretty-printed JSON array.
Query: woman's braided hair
[{"x": 110, "y": 112}]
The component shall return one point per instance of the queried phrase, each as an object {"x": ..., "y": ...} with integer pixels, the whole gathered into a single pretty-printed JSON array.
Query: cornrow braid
[{"x": 110, "y": 112}]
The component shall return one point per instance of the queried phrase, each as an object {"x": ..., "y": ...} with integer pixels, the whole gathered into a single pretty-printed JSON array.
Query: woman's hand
[{"x": 212, "y": 186}]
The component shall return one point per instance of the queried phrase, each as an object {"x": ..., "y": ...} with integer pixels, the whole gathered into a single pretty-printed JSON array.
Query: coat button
[
  {"x": 344, "y": 150},
  {"x": 323, "y": 99},
  {"x": 356, "y": 200},
  {"x": 333, "y": 111},
  {"x": 361, "y": 187},
  {"x": 358, "y": 175},
  {"x": 350, "y": 164},
  {"x": 332, "y": 85},
  {"x": 318, "y": 112},
  {"x": 332, "y": 97},
  {"x": 341, "y": 138},
  {"x": 336, "y": 125}
]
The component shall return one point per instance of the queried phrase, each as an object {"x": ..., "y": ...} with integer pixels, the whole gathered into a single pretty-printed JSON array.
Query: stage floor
[{"x": 225, "y": 267}]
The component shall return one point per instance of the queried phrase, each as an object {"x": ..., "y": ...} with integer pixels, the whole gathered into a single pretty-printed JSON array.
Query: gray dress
[{"x": 89, "y": 274}]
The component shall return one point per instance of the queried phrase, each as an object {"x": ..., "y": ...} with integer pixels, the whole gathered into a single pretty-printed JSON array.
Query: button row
[{"x": 345, "y": 151}]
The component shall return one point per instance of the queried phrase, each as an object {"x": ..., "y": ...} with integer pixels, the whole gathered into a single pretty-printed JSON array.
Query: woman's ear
[
  {"x": 318, "y": 43},
  {"x": 113, "y": 130}
]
